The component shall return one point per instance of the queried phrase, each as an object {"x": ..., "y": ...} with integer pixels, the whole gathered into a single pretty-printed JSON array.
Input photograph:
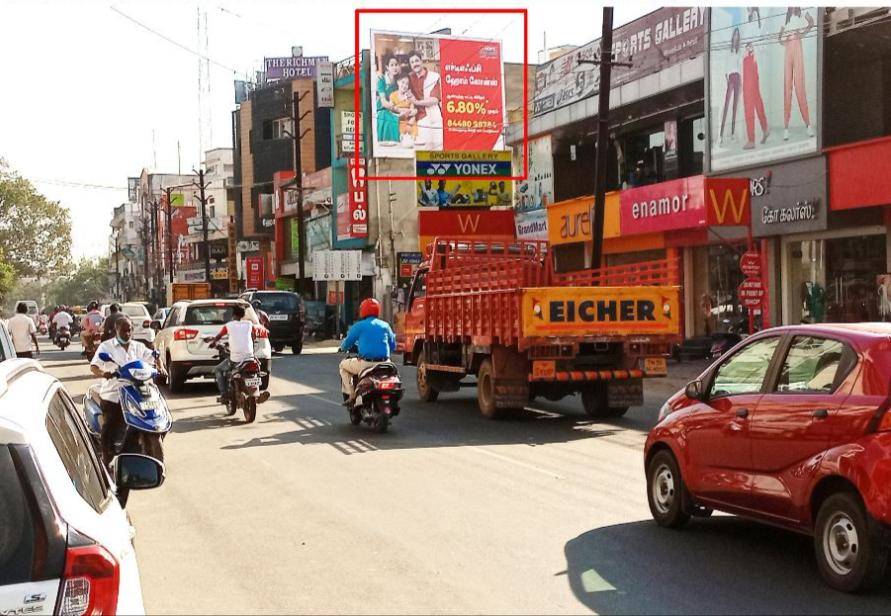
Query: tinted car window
[
  {"x": 812, "y": 365},
  {"x": 744, "y": 371},
  {"x": 19, "y": 526},
  {"x": 213, "y": 314},
  {"x": 75, "y": 453},
  {"x": 278, "y": 302}
]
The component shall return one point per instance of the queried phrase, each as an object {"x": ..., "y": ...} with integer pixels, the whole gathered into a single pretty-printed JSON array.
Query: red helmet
[{"x": 369, "y": 308}]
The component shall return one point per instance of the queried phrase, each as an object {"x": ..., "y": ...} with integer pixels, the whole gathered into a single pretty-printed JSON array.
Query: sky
[{"x": 91, "y": 97}]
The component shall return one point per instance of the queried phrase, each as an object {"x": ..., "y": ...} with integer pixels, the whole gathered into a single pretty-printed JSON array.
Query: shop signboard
[
  {"x": 532, "y": 225},
  {"x": 464, "y": 75},
  {"x": 763, "y": 73},
  {"x": 348, "y": 132},
  {"x": 219, "y": 273},
  {"x": 325, "y": 84},
  {"x": 750, "y": 264},
  {"x": 298, "y": 67},
  {"x": 337, "y": 265},
  {"x": 751, "y": 292},
  {"x": 660, "y": 39},
  {"x": 254, "y": 274},
  {"x": 570, "y": 221},
  {"x": 537, "y": 190},
  {"x": 352, "y": 208},
  {"x": 295, "y": 237},
  {"x": 687, "y": 203},
  {"x": 449, "y": 179},
  {"x": 483, "y": 224},
  {"x": 407, "y": 264}
]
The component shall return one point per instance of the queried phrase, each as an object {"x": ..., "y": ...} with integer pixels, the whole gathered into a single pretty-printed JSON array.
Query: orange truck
[
  {"x": 179, "y": 291},
  {"x": 500, "y": 312}
]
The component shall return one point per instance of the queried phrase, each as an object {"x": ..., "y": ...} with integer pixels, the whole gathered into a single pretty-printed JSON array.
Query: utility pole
[
  {"x": 203, "y": 199},
  {"x": 606, "y": 63},
  {"x": 168, "y": 192},
  {"x": 117, "y": 264},
  {"x": 156, "y": 232},
  {"x": 296, "y": 136}
]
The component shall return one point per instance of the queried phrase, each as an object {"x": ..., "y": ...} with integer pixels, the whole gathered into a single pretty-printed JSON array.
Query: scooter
[
  {"x": 245, "y": 380},
  {"x": 41, "y": 325},
  {"x": 92, "y": 344},
  {"x": 63, "y": 337},
  {"x": 138, "y": 461},
  {"x": 378, "y": 391}
]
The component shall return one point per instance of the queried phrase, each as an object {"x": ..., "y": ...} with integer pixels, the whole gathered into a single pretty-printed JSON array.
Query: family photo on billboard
[
  {"x": 435, "y": 92},
  {"x": 762, "y": 84}
]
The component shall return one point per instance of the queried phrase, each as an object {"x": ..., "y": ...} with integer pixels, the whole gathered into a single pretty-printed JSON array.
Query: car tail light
[
  {"x": 91, "y": 580},
  {"x": 185, "y": 334},
  {"x": 146, "y": 323}
]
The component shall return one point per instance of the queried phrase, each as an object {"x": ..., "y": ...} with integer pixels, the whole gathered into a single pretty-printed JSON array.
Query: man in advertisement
[{"x": 426, "y": 96}]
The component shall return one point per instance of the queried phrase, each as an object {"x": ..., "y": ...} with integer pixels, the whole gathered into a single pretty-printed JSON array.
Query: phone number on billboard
[{"x": 473, "y": 124}]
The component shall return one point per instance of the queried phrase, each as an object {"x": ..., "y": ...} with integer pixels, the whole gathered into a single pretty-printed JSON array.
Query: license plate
[
  {"x": 147, "y": 405},
  {"x": 253, "y": 381},
  {"x": 278, "y": 317},
  {"x": 655, "y": 365},
  {"x": 544, "y": 369}
]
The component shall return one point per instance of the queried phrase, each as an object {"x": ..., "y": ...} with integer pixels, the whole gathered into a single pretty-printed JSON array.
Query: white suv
[
  {"x": 65, "y": 543},
  {"x": 180, "y": 341}
]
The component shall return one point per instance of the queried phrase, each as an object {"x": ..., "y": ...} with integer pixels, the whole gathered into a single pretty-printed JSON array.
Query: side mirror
[
  {"x": 138, "y": 472},
  {"x": 105, "y": 356},
  {"x": 695, "y": 390},
  {"x": 155, "y": 325}
]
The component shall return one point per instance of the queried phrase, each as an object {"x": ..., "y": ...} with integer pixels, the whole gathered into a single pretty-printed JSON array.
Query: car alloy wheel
[
  {"x": 841, "y": 544},
  {"x": 663, "y": 488}
]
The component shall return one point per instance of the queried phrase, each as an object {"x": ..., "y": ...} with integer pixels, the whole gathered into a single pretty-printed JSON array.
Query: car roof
[
  {"x": 19, "y": 416},
  {"x": 866, "y": 332}
]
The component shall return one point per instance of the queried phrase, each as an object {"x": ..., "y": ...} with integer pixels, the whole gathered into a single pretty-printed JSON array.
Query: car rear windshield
[
  {"x": 213, "y": 314},
  {"x": 135, "y": 311},
  {"x": 20, "y": 534},
  {"x": 278, "y": 302}
]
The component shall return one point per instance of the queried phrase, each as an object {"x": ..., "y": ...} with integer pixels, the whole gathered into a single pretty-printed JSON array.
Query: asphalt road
[{"x": 544, "y": 512}]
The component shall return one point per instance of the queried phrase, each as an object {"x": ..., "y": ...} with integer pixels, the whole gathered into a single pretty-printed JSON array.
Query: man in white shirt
[
  {"x": 122, "y": 350},
  {"x": 62, "y": 319},
  {"x": 241, "y": 347},
  {"x": 24, "y": 333},
  {"x": 426, "y": 96}
]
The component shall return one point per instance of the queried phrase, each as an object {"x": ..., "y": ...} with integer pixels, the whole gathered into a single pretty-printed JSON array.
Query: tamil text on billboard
[
  {"x": 657, "y": 40},
  {"x": 352, "y": 210},
  {"x": 435, "y": 92},
  {"x": 537, "y": 190},
  {"x": 448, "y": 179},
  {"x": 762, "y": 79}
]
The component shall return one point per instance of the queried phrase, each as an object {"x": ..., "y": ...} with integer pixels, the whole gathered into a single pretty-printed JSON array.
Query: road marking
[
  {"x": 531, "y": 467},
  {"x": 340, "y": 404},
  {"x": 544, "y": 413},
  {"x": 592, "y": 582}
]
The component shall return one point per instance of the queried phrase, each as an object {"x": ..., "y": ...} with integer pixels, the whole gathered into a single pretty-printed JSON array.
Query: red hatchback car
[{"x": 791, "y": 427}]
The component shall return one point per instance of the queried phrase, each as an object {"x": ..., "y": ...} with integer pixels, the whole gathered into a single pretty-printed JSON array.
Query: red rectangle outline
[{"x": 357, "y": 86}]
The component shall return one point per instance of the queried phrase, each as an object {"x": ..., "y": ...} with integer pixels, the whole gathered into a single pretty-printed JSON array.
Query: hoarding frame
[{"x": 357, "y": 101}]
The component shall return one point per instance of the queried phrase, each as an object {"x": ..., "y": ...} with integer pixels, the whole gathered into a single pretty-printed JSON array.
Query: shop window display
[{"x": 721, "y": 303}]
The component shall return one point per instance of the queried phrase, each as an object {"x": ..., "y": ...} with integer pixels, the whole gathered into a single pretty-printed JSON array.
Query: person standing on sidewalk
[{"x": 24, "y": 333}]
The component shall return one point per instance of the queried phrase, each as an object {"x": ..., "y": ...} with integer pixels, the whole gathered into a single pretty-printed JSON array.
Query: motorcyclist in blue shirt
[{"x": 375, "y": 341}]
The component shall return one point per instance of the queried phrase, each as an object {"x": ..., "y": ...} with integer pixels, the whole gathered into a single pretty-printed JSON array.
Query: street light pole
[
  {"x": 168, "y": 192},
  {"x": 201, "y": 187}
]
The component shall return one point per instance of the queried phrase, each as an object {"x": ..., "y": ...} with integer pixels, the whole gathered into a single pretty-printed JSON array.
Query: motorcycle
[
  {"x": 726, "y": 340},
  {"x": 42, "y": 325},
  {"x": 138, "y": 461},
  {"x": 378, "y": 391},
  {"x": 63, "y": 337},
  {"x": 92, "y": 344},
  {"x": 244, "y": 382}
]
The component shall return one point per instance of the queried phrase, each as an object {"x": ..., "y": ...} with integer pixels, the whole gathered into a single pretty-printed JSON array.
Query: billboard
[
  {"x": 299, "y": 67},
  {"x": 762, "y": 84},
  {"x": 352, "y": 208},
  {"x": 435, "y": 92},
  {"x": 484, "y": 224},
  {"x": 652, "y": 43},
  {"x": 537, "y": 190},
  {"x": 450, "y": 179}
]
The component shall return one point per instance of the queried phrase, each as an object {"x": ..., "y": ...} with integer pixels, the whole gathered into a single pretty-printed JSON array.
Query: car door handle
[
  {"x": 742, "y": 413},
  {"x": 821, "y": 413}
]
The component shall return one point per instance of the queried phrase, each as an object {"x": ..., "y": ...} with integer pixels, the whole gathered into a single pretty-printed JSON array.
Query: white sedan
[
  {"x": 66, "y": 546},
  {"x": 180, "y": 342},
  {"x": 141, "y": 319}
]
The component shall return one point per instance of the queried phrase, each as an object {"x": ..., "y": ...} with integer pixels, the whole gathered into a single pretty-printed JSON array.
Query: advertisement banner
[
  {"x": 408, "y": 263},
  {"x": 448, "y": 184},
  {"x": 532, "y": 225},
  {"x": 587, "y": 311},
  {"x": 254, "y": 275},
  {"x": 299, "y": 67},
  {"x": 762, "y": 84},
  {"x": 484, "y": 224},
  {"x": 325, "y": 84},
  {"x": 348, "y": 132},
  {"x": 357, "y": 200},
  {"x": 295, "y": 237},
  {"x": 650, "y": 44},
  {"x": 570, "y": 221},
  {"x": 343, "y": 218},
  {"x": 435, "y": 92},
  {"x": 537, "y": 190}
]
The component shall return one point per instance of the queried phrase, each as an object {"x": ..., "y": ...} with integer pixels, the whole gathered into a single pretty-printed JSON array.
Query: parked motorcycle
[
  {"x": 378, "y": 391},
  {"x": 245, "y": 380},
  {"x": 726, "y": 340},
  {"x": 138, "y": 461},
  {"x": 63, "y": 337}
]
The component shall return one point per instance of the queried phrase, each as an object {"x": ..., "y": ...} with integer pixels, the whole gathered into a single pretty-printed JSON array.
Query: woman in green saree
[{"x": 387, "y": 117}]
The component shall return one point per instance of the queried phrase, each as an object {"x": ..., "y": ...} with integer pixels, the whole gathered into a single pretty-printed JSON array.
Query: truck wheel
[
  {"x": 177, "y": 378},
  {"x": 594, "y": 402},
  {"x": 426, "y": 391},
  {"x": 485, "y": 391}
]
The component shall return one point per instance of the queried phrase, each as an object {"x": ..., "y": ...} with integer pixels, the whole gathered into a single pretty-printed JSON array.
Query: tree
[
  {"x": 35, "y": 232},
  {"x": 7, "y": 279},
  {"x": 88, "y": 281}
]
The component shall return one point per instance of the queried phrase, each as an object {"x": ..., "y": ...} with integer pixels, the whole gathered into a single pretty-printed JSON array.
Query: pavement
[{"x": 544, "y": 512}]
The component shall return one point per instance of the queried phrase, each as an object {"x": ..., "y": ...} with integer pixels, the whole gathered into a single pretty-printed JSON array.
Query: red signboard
[
  {"x": 687, "y": 203},
  {"x": 352, "y": 214},
  {"x": 751, "y": 292},
  {"x": 466, "y": 223},
  {"x": 254, "y": 275},
  {"x": 750, "y": 264},
  {"x": 854, "y": 180}
]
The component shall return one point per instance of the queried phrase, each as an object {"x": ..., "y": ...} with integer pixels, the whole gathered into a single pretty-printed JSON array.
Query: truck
[
  {"x": 178, "y": 291},
  {"x": 500, "y": 312}
]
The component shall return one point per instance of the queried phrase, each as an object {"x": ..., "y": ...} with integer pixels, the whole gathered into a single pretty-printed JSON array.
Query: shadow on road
[{"x": 722, "y": 565}]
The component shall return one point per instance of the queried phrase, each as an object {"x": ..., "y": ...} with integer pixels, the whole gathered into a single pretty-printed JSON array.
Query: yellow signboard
[
  {"x": 570, "y": 221},
  {"x": 464, "y": 179},
  {"x": 601, "y": 311}
]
